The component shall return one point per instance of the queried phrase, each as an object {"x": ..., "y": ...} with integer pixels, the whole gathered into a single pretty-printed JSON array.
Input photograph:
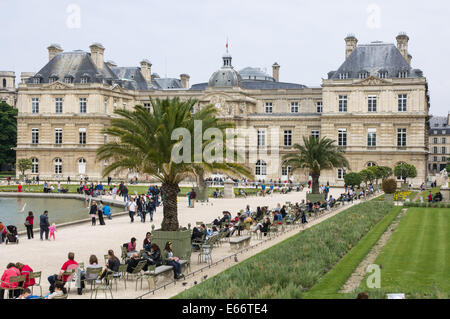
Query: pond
[{"x": 60, "y": 210}]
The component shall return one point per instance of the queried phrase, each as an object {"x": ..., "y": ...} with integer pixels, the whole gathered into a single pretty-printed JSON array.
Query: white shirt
[{"x": 132, "y": 207}]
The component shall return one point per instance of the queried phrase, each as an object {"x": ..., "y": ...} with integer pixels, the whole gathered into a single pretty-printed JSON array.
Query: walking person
[
  {"x": 29, "y": 224},
  {"x": 93, "y": 212},
  {"x": 44, "y": 225},
  {"x": 193, "y": 196},
  {"x": 52, "y": 230},
  {"x": 132, "y": 209},
  {"x": 100, "y": 212}
]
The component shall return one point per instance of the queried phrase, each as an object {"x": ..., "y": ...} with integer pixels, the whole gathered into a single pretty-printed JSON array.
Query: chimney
[
  {"x": 350, "y": 44},
  {"x": 276, "y": 72},
  {"x": 24, "y": 76},
  {"x": 185, "y": 80},
  {"x": 146, "y": 70},
  {"x": 111, "y": 64},
  {"x": 97, "y": 55},
  {"x": 53, "y": 50},
  {"x": 402, "y": 46},
  {"x": 155, "y": 76}
]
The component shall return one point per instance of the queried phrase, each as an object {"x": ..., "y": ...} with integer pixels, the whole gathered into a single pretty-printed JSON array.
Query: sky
[{"x": 305, "y": 37}]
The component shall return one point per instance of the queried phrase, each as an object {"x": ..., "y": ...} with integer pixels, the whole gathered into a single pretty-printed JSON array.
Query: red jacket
[
  {"x": 10, "y": 272},
  {"x": 26, "y": 270}
]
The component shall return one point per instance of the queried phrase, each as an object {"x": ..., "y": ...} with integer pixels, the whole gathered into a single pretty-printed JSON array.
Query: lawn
[
  {"x": 293, "y": 266},
  {"x": 416, "y": 259},
  {"x": 425, "y": 193}
]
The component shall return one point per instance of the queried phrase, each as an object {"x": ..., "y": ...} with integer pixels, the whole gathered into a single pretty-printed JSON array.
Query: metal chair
[
  {"x": 121, "y": 274},
  {"x": 15, "y": 279},
  {"x": 105, "y": 286},
  {"x": 36, "y": 275},
  {"x": 149, "y": 275},
  {"x": 92, "y": 276}
]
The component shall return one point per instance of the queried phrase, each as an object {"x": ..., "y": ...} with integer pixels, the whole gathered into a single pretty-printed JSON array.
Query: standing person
[
  {"x": 52, "y": 230},
  {"x": 44, "y": 225},
  {"x": 125, "y": 193},
  {"x": 100, "y": 213},
  {"x": 109, "y": 180},
  {"x": 37, "y": 179},
  {"x": 193, "y": 196},
  {"x": 173, "y": 261},
  {"x": 141, "y": 208},
  {"x": 263, "y": 188},
  {"x": 93, "y": 212},
  {"x": 3, "y": 232},
  {"x": 19, "y": 188},
  {"x": 68, "y": 180},
  {"x": 188, "y": 194},
  {"x": 132, "y": 209},
  {"x": 58, "y": 187},
  {"x": 114, "y": 192},
  {"x": 29, "y": 224},
  {"x": 151, "y": 207}
]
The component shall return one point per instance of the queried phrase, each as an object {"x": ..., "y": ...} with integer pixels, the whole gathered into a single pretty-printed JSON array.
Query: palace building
[{"x": 375, "y": 105}]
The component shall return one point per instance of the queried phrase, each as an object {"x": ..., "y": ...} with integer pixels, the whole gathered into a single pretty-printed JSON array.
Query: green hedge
[{"x": 293, "y": 266}]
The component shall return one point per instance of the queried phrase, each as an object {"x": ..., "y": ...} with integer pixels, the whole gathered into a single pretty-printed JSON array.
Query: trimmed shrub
[{"x": 389, "y": 186}]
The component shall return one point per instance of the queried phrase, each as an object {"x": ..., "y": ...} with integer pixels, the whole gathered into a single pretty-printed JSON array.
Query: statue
[{"x": 444, "y": 179}]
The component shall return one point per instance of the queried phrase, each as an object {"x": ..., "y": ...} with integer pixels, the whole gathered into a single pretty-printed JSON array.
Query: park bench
[{"x": 237, "y": 243}]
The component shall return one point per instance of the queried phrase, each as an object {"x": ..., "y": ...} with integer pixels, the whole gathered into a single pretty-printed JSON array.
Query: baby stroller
[{"x": 11, "y": 236}]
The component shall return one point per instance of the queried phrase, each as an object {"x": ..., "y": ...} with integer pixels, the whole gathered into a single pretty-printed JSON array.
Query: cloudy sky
[{"x": 188, "y": 36}]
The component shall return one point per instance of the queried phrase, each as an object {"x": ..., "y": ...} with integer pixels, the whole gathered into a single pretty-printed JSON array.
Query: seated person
[
  {"x": 154, "y": 258},
  {"x": 68, "y": 265},
  {"x": 134, "y": 261},
  {"x": 131, "y": 246}
]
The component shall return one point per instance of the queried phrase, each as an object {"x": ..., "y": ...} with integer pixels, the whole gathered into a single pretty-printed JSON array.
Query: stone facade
[
  {"x": 439, "y": 141},
  {"x": 60, "y": 105},
  {"x": 8, "y": 92}
]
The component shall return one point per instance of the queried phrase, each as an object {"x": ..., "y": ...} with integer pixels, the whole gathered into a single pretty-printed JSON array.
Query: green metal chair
[
  {"x": 15, "y": 279},
  {"x": 121, "y": 274},
  {"x": 149, "y": 275},
  {"x": 137, "y": 270},
  {"x": 105, "y": 286},
  {"x": 36, "y": 275},
  {"x": 92, "y": 276}
]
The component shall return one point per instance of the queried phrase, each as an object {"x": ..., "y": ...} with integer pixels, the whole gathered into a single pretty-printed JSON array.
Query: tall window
[
  {"x": 444, "y": 151},
  {"x": 435, "y": 158},
  {"x": 435, "y": 150},
  {"x": 343, "y": 76},
  {"x": 372, "y": 103},
  {"x": 58, "y": 105},
  {"x": 148, "y": 106},
  {"x": 319, "y": 107},
  {"x": 35, "y": 105},
  {"x": 315, "y": 133},
  {"x": 341, "y": 173},
  {"x": 34, "y": 136},
  {"x": 82, "y": 135},
  {"x": 444, "y": 159},
  {"x": 261, "y": 138},
  {"x": 260, "y": 167},
  {"x": 342, "y": 137},
  {"x": 402, "y": 102},
  {"x": 34, "y": 165},
  {"x": 268, "y": 107},
  {"x": 58, "y": 165},
  {"x": 82, "y": 105},
  {"x": 294, "y": 107},
  {"x": 371, "y": 137},
  {"x": 58, "y": 135},
  {"x": 401, "y": 137},
  {"x": 4, "y": 83},
  {"x": 285, "y": 170},
  {"x": 105, "y": 105},
  {"x": 343, "y": 103},
  {"x": 444, "y": 140},
  {"x": 435, "y": 140},
  {"x": 287, "y": 137}
]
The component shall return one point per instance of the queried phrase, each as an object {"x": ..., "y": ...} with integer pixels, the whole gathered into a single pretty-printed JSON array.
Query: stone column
[{"x": 228, "y": 189}]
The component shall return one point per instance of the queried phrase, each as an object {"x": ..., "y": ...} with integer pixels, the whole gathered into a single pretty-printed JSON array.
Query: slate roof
[
  {"x": 373, "y": 58},
  {"x": 442, "y": 127},
  {"x": 131, "y": 78},
  {"x": 75, "y": 64},
  {"x": 166, "y": 83}
]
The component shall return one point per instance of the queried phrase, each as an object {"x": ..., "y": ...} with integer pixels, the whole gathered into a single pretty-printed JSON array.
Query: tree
[
  {"x": 448, "y": 168},
  {"x": 23, "y": 164},
  {"x": 160, "y": 144},
  {"x": 8, "y": 138},
  {"x": 316, "y": 155},
  {"x": 353, "y": 179},
  {"x": 404, "y": 171},
  {"x": 384, "y": 172},
  {"x": 367, "y": 175}
]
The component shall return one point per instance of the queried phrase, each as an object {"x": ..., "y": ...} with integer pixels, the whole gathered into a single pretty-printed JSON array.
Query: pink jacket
[{"x": 10, "y": 272}]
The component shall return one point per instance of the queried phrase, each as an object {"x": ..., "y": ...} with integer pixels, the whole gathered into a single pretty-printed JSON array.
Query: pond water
[{"x": 60, "y": 210}]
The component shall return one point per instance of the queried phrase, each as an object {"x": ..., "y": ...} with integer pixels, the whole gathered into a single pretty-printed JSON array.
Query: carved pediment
[
  {"x": 372, "y": 80},
  {"x": 58, "y": 85}
]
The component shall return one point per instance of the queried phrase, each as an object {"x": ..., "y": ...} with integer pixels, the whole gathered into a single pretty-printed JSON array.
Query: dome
[
  {"x": 250, "y": 73},
  {"x": 225, "y": 77}
]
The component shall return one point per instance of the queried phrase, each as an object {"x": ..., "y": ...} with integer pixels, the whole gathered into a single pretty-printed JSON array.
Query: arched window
[
  {"x": 58, "y": 165},
  {"x": 260, "y": 168},
  {"x": 34, "y": 165},
  {"x": 371, "y": 164},
  {"x": 81, "y": 166},
  {"x": 4, "y": 83}
]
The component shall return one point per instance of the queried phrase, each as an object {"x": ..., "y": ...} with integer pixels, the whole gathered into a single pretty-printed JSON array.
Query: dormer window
[
  {"x": 84, "y": 80},
  {"x": 68, "y": 79},
  {"x": 343, "y": 76},
  {"x": 36, "y": 80},
  {"x": 403, "y": 74},
  {"x": 363, "y": 75},
  {"x": 383, "y": 74}
]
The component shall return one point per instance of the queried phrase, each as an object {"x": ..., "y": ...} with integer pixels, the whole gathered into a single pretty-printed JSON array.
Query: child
[{"x": 52, "y": 230}]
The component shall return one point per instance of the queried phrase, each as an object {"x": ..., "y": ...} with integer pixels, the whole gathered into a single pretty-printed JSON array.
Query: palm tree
[
  {"x": 143, "y": 142},
  {"x": 316, "y": 155}
]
